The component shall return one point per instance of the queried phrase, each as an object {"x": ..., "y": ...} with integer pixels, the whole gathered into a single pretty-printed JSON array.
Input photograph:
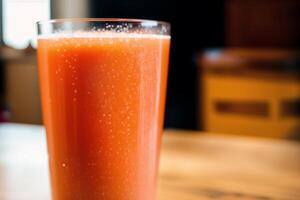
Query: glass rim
[{"x": 102, "y": 20}]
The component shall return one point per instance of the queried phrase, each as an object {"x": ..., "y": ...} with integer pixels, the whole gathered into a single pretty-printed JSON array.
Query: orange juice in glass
[{"x": 103, "y": 88}]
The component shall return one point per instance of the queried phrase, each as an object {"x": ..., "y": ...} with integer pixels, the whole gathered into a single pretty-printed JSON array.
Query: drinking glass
[{"x": 103, "y": 88}]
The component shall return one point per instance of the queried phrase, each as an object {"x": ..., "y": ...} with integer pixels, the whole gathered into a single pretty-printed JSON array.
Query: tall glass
[{"x": 103, "y": 87}]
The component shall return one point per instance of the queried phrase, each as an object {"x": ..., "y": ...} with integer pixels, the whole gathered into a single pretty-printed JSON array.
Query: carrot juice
[{"x": 103, "y": 98}]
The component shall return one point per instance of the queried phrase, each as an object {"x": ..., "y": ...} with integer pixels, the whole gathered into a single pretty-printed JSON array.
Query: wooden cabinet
[
  {"x": 250, "y": 92},
  {"x": 22, "y": 89},
  {"x": 262, "y": 23}
]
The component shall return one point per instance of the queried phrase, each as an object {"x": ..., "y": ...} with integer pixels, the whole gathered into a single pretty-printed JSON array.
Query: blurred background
[{"x": 234, "y": 64}]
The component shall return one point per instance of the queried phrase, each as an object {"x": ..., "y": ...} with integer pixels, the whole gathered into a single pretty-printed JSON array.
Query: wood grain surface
[{"x": 194, "y": 166}]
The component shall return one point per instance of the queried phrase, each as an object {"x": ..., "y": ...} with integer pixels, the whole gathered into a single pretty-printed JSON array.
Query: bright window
[{"x": 19, "y": 18}]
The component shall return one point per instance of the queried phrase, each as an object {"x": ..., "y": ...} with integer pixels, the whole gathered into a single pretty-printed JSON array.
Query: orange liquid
[{"x": 103, "y": 105}]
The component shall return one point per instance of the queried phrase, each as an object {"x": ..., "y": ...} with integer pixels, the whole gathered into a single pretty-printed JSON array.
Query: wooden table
[{"x": 194, "y": 166}]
